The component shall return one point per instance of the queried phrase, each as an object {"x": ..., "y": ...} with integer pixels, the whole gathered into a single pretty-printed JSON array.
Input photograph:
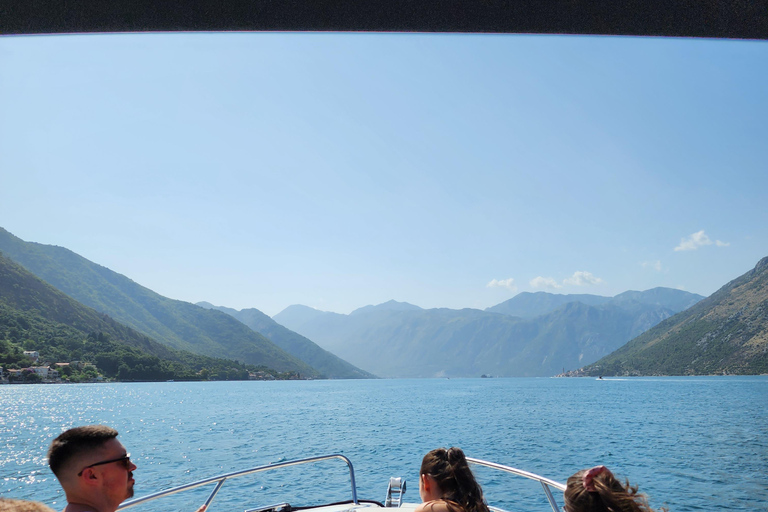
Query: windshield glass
[{"x": 338, "y": 171}]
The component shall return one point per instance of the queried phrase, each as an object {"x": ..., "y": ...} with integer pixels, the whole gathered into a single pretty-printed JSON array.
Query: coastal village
[
  {"x": 47, "y": 373},
  {"x": 61, "y": 373}
]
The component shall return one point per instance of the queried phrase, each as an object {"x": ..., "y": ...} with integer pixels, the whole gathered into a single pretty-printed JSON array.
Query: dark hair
[
  {"x": 75, "y": 442},
  {"x": 450, "y": 470},
  {"x": 610, "y": 495}
]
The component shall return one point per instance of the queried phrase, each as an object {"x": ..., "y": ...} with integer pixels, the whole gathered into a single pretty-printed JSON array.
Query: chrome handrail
[
  {"x": 546, "y": 483},
  {"x": 222, "y": 478}
]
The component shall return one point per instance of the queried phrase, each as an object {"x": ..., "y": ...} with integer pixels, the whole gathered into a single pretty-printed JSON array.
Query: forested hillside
[
  {"x": 724, "y": 333},
  {"x": 35, "y": 316},
  {"x": 174, "y": 323}
]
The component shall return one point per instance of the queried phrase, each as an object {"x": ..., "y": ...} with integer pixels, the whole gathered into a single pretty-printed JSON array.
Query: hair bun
[{"x": 454, "y": 455}]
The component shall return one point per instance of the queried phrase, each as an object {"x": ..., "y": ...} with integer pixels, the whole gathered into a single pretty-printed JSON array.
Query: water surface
[{"x": 690, "y": 443}]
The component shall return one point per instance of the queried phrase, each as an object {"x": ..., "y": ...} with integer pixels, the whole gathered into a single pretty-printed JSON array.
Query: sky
[{"x": 261, "y": 170}]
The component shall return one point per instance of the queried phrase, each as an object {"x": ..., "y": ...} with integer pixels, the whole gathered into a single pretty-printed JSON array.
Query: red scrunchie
[{"x": 588, "y": 477}]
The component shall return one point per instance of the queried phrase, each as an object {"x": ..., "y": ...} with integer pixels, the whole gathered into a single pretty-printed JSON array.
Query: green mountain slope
[
  {"x": 175, "y": 323},
  {"x": 328, "y": 364},
  {"x": 36, "y": 316},
  {"x": 724, "y": 333}
]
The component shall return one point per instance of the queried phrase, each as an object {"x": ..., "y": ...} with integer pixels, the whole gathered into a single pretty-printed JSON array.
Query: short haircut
[
  {"x": 9, "y": 505},
  {"x": 77, "y": 441}
]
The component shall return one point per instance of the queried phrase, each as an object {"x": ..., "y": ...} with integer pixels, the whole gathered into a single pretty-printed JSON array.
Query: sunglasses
[{"x": 125, "y": 460}]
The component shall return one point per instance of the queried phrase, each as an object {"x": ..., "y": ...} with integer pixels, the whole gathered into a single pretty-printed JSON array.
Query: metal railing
[
  {"x": 219, "y": 480},
  {"x": 546, "y": 483}
]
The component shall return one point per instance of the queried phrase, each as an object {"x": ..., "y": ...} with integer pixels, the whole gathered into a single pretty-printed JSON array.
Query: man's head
[{"x": 92, "y": 466}]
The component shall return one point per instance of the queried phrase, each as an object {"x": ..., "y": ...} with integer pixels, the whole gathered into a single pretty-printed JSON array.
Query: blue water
[{"x": 690, "y": 443}]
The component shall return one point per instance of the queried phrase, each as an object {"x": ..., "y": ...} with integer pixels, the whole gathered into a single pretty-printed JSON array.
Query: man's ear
[{"x": 89, "y": 475}]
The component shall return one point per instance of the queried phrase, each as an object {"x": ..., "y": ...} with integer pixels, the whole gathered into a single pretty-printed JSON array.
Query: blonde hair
[{"x": 10, "y": 505}]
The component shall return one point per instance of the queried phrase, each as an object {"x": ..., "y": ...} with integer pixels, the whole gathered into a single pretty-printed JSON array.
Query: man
[{"x": 93, "y": 467}]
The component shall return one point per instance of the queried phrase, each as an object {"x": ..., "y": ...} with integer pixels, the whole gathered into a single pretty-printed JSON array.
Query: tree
[{"x": 30, "y": 376}]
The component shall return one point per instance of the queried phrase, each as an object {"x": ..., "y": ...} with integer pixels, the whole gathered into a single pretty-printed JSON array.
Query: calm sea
[{"x": 690, "y": 443}]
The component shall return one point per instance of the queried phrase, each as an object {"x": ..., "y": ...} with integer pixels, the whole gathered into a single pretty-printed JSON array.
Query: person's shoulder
[{"x": 438, "y": 506}]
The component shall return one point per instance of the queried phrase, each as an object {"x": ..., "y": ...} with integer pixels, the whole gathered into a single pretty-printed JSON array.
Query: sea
[{"x": 689, "y": 443}]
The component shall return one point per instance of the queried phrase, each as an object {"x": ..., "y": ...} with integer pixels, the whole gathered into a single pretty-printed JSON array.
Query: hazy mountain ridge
[
  {"x": 724, "y": 333},
  {"x": 471, "y": 342},
  {"x": 391, "y": 305},
  {"x": 325, "y": 362},
  {"x": 178, "y": 324},
  {"x": 297, "y": 315},
  {"x": 533, "y": 304}
]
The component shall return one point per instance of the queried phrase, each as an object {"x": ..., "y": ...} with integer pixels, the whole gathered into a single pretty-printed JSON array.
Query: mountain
[
  {"x": 530, "y": 305},
  {"x": 676, "y": 300},
  {"x": 174, "y": 323},
  {"x": 36, "y": 316},
  {"x": 724, "y": 333},
  {"x": 297, "y": 315},
  {"x": 413, "y": 342},
  {"x": 391, "y": 305},
  {"x": 326, "y": 363}
]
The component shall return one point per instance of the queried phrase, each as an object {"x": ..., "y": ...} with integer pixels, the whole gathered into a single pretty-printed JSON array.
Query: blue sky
[{"x": 341, "y": 170}]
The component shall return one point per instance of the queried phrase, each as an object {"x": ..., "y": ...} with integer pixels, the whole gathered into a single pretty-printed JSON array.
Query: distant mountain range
[
  {"x": 173, "y": 323},
  {"x": 531, "y": 305},
  {"x": 326, "y": 363},
  {"x": 532, "y": 334},
  {"x": 725, "y": 333},
  {"x": 550, "y": 333}
]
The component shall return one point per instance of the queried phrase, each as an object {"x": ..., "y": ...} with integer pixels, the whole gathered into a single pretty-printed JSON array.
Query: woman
[
  {"x": 597, "y": 490},
  {"x": 446, "y": 484}
]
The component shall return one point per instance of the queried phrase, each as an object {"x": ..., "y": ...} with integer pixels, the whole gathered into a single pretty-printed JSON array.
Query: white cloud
[
  {"x": 693, "y": 241},
  {"x": 503, "y": 283},
  {"x": 544, "y": 282},
  {"x": 696, "y": 240},
  {"x": 655, "y": 265},
  {"x": 582, "y": 278}
]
